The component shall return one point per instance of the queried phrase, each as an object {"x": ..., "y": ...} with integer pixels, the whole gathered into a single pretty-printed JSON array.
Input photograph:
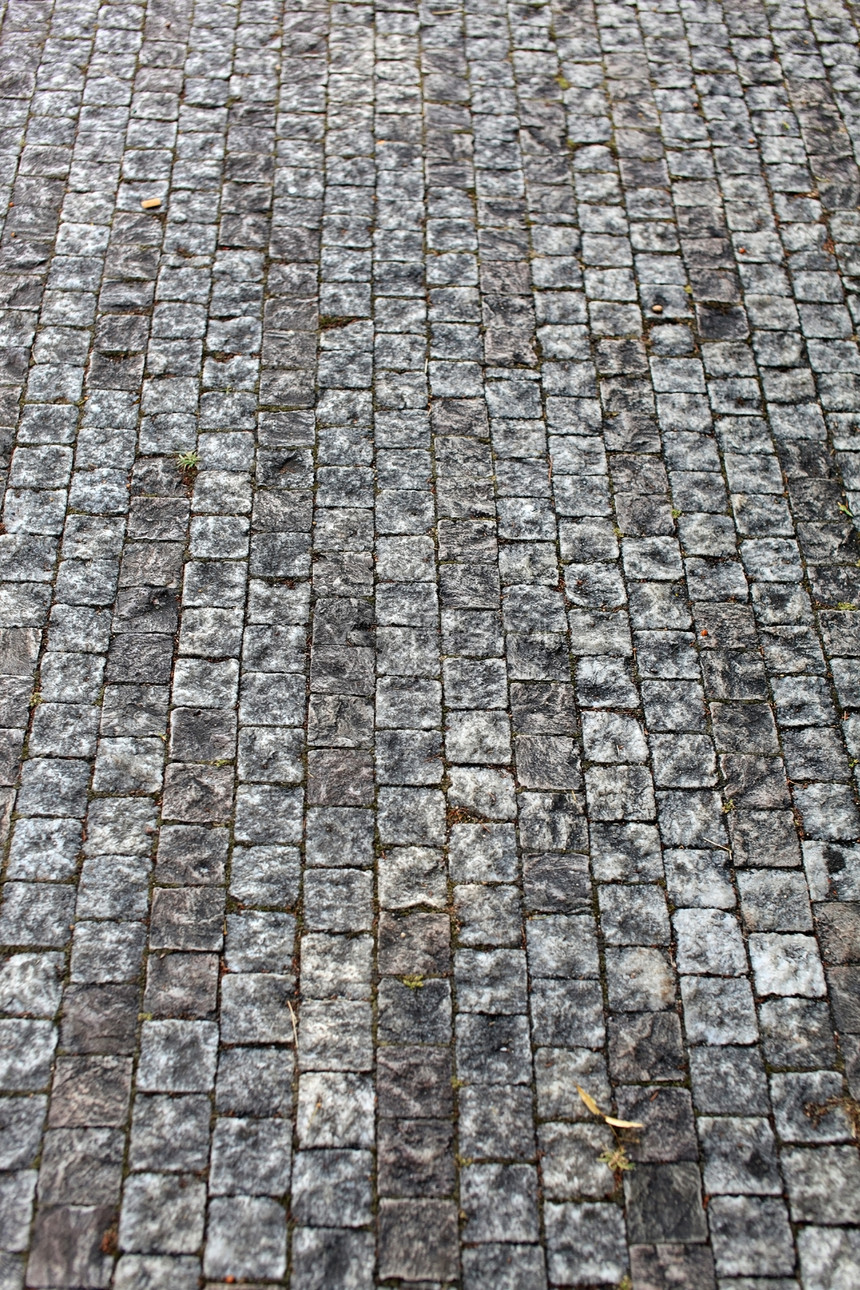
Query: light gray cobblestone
[{"x": 428, "y": 641}]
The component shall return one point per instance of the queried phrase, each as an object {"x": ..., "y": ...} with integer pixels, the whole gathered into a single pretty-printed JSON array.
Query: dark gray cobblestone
[{"x": 430, "y": 645}]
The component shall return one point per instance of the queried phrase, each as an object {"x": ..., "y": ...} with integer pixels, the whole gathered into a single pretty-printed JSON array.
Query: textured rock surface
[{"x": 428, "y": 638}]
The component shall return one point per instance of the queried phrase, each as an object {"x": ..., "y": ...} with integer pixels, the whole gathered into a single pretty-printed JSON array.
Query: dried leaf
[
  {"x": 623, "y": 1124},
  {"x": 589, "y": 1101},
  {"x": 295, "y": 1027}
]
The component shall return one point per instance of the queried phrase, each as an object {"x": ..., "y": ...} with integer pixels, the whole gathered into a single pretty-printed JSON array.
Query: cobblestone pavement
[{"x": 430, "y": 673}]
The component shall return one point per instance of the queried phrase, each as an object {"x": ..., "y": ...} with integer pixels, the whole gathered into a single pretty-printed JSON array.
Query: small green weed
[{"x": 616, "y": 1159}]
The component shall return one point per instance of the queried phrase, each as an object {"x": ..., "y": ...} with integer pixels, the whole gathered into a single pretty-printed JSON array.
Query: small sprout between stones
[
  {"x": 625, "y": 1283},
  {"x": 676, "y": 512},
  {"x": 562, "y": 82},
  {"x": 616, "y": 1159},
  {"x": 188, "y": 460},
  {"x": 413, "y": 982},
  {"x": 846, "y": 605},
  {"x": 728, "y": 806},
  {"x": 845, "y": 510}
]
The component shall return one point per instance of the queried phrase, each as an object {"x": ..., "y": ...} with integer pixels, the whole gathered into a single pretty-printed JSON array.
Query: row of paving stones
[{"x": 430, "y": 662}]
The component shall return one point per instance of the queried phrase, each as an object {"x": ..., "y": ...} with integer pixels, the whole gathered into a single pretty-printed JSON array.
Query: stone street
[{"x": 430, "y": 645}]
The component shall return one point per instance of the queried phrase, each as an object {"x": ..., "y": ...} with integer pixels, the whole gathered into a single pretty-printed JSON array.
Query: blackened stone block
[
  {"x": 567, "y": 1013},
  {"x": 68, "y": 1246},
  {"x": 193, "y": 855},
  {"x": 493, "y": 1050},
  {"x": 729, "y": 1080},
  {"x": 332, "y": 1188},
  {"x": 764, "y": 837},
  {"x": 414, "y": 1082},
  {"x": 90, "y": 1091},
  {"x": 499, "y": 1200},
  {"x": 331, "y": 1256},
  {"x": 198, "y": 794},
  {"x": 552, "y": 822},
  {"x": 548, "y": 762},
  {"x": 646, "y": 1046},
  {"x": 683, "y": 1267},
  {"x": 797, "y": 1033},
  {"x": 99, "y": 1019},
  {"x": 414, "y": 944},
  {"x": 556, "y": 883},
  {"x": 664, "y": 1203},
  {"x": 416, "y": 1158},
  {"x": 504, "y": 1267},
  {"x": 202, "y": 734},
  {"x": 181, "y": 985},
  {"x": 419, "y": 1012},
  {"x": 418, "y": 1240},
  {"x": 845, "y": 997},
  {"x": 340, "y": 777},
  {"x": 188, "y": 919},
  {"x": 142, "y": 657},
  {"x": 337, "y": 721},
  {"x": 543, "y": 708},
  {"x": 496, "y": 1122},
  {"x": 460, "y": 417},
  {"x": 81, "y": 1166},
  {"x": 667, "y": 1114}
]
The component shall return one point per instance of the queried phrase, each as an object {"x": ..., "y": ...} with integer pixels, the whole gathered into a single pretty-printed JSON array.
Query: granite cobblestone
[{"x": 428, "y": 631}]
